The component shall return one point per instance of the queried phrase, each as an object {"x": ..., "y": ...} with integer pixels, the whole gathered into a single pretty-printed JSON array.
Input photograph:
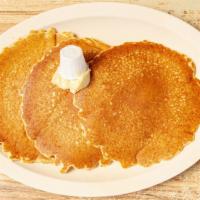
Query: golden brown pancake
[
  {"x": 63, "y": 36},
  {"x": 50, "y": 118},
  {"x": 142, "y": 97},
  {"x": 15, "y": 65}
]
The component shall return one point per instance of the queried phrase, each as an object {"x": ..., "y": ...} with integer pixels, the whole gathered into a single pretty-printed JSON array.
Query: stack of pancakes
[{"x": 142, "y": 104}]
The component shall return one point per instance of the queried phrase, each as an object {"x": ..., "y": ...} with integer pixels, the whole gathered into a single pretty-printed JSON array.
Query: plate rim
[{"x": 88, "y": 189}]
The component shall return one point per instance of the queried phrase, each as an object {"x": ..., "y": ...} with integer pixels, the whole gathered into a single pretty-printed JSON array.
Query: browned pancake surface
[
  {"x": 16, "y": 63},
  {"x": 51, "y": 119},
  {"x": 142, "y": 104}
]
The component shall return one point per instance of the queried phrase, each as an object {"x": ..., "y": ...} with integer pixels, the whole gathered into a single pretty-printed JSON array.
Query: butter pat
[
  {"x": 73, "y": 85},
  {"x": 73, "y": 72}
]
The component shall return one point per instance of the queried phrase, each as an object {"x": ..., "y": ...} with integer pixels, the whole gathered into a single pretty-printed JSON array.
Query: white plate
[{"x": 113, "y": 23}]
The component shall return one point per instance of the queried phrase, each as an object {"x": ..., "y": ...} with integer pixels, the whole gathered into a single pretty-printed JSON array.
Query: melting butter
[
  {"x": 73, "y": 85},
  {"x": 73, "y": 72}
]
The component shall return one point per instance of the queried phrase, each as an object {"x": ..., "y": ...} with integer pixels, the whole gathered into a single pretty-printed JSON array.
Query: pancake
[
  {"x": 63, "y": 36},
  {"x": 15, "y": 65},
  {"x": 50, "y": 118},
  {"x": 142, "y": 104}
]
